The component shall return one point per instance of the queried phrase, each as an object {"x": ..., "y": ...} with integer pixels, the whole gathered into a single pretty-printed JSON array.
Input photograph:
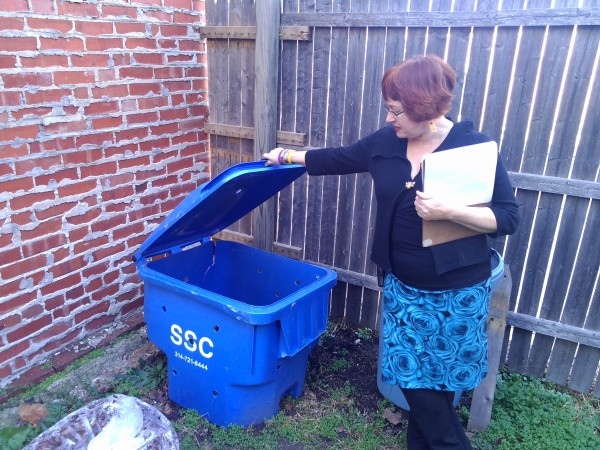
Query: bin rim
[
  {"x": 251, "y": 314},
  {"x": 216, "y": 204}
]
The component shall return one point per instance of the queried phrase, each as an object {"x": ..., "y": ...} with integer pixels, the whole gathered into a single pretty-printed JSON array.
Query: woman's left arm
[
  {"x": 478, "y": 218},
  {"x": 499, "y": 219}
]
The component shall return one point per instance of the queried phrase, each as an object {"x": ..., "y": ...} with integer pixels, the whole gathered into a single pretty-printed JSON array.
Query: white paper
[{"x": 463, "y": 175}]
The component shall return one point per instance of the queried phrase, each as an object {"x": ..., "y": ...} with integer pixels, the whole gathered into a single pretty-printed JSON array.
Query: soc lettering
[{"x": 189, "y": 340}]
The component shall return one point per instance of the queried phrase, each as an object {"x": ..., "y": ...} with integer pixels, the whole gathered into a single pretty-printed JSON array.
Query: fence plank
[
  {"x": 457, "y": 51},
  {"x": 479, "y": 58},
  {"x": 318, "y": 121},
  {"x": 529, "y": 17}
]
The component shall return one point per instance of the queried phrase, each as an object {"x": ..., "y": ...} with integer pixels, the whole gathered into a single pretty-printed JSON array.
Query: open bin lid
[{"x": 217, "y": 204}]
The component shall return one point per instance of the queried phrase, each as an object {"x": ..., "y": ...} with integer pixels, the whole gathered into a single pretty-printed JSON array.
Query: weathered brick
[
  {"x": 31, "y": 248},
  {"x": 91, "y": 312},
  {"x": 71, "y": 265},
  {"x": 108, "y": 252},
  {"x": 128, "y": 231},
  {"x": 146, "y": 117},
  {"x": 118, "y": 11},
  {"x": 9, "y": 322},
  {"x": 99, "y": 169},
  {"x": 61, "y": 284},
  {"x": 23, "y": 266},
  {"x": 107, "y": 123},
  {"x": 155, "y": 59},
  {"x": 143, "y": 89},
  {"x": 83, "y": 9},
  {"x": 80, "y": 188},
  {"x": 28, "y": 200},
  {"x": 132, "y": 134},
  {"x": 61, "y": 25},
  {"x": 129, "y": 27},
  {"x": 90, "y": 60},
  {"x": 57, "y": 329},
  {"x": 46, "y": 228},
  {"x": 74, "y": 77},
  {"x": 94, "y": 27},
  {"x": 36, "y": 164},
  {"x": 135, "y": 43},
  {"x": 18, "y": 44},
  {"x": 29, "y": 329},
  {"x": 103, "y": 44},
  {"x": 22, "y": 132},
  {"x": 11, "y": 352},
  {"x": 102, "y": 107},
  {"x": 13, "y": 23},
  {"x": 32, "y": 311},
  {"x": 71, "y": 44},
  {"x": 95, "y": 139}
]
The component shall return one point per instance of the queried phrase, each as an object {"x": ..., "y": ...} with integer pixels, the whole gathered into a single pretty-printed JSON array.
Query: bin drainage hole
[
  {"x": 191, "y": 341},
  {"x": 215, "y": 394},
  {"x": 277, "y": 294},
  {"x": 297, "y": 282},
  {"x": 174, "y": 372},
  {"x": 260, "y": 270},
  {"x": 186, "y": 279},
  {"x": 216, "y": 328},
  {"x": 278, "y": 366},
  {"x": 164, "y": 308}
]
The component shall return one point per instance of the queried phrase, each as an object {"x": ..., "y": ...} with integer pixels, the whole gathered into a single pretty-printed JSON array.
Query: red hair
[{"x": 423, "y": 84}]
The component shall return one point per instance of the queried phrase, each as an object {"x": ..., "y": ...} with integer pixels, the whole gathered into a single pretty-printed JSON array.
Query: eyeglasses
[{"x": 397, "y": 114}]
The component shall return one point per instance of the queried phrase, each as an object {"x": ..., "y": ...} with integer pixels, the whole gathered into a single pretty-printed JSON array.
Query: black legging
[{"x": 433, "y": 422}]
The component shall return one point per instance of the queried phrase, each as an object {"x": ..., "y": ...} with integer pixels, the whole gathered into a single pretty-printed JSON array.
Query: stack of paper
[{"x": 462, "y": 176}]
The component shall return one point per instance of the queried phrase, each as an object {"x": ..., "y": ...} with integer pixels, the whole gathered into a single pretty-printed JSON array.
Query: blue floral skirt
[{"x": 434, "y": 339}]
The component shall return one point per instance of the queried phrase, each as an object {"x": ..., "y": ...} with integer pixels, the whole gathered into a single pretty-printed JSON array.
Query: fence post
[
  {"x": 483, "y": 395},
  {"x": 265, "y": 108}
]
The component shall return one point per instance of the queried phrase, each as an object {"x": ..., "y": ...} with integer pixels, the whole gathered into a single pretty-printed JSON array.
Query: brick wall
[{"x": 101, "y": 135}]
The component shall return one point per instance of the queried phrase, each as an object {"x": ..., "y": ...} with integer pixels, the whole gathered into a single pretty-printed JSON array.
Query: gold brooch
[{"x": 410, "y": 184}]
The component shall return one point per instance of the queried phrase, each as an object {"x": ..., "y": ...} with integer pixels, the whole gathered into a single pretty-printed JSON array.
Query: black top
[{"x": 397, "y": 241}]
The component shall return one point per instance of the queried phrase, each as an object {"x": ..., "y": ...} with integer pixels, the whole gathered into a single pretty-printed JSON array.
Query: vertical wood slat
[
  {"x": 457, "y": 51},
  {"x": 479, "y": 57}
]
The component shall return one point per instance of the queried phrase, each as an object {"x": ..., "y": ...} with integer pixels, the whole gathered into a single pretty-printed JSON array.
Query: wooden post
[
  {"x": 265, "y": 108},
  {"x": 483, "y": 395}
]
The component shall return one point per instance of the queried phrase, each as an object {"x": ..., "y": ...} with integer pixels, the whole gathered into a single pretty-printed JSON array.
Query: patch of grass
[
  {"x": 364, "y": 334},
  {"x": 334, "y": 422},
  {"x": 529, "y": 414},
  {"x": 147, "y": 376}
]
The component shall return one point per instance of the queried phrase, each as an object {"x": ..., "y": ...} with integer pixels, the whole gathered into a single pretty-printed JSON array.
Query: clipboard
[{"x": 464, "y": 175}]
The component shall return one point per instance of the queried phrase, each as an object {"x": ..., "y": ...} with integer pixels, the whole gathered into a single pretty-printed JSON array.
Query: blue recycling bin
[
  {"x": 392, "y": 392},
  {"x": 236, "y": 323}
]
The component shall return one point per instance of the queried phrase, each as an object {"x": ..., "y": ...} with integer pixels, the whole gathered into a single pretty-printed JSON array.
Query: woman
[{"x": 435, "y": 298}]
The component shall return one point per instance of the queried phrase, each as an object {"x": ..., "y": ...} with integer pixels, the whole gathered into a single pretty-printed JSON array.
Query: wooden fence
[{"x": 527, "y": 76}]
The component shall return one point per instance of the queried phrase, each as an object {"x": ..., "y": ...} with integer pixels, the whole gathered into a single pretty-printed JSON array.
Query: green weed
[{"x": 531, "y": 415}]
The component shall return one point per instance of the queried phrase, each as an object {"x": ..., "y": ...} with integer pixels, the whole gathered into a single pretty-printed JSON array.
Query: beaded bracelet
[{"x": 285, "y": 156}]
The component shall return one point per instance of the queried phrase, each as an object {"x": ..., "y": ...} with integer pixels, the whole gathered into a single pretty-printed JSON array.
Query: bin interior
[{"x": 239, "y": 272}]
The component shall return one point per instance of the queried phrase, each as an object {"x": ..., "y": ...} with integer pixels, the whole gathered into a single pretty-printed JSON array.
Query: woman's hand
[
  {"x": 429, "y": 208},
  {"x": 272, "y": 157},
  {"x": 478, "y": 218},
  {"x": 281, "y": 155}
]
